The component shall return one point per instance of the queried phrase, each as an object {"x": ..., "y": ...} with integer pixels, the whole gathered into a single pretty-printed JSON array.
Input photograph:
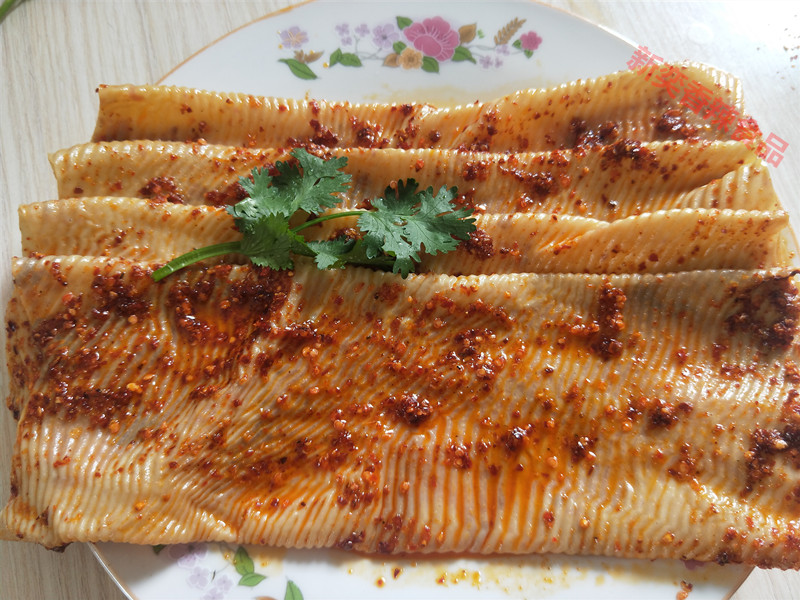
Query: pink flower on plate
[
  {"x": 530, "y": 41},
  {"x": 433, "y": 37}
]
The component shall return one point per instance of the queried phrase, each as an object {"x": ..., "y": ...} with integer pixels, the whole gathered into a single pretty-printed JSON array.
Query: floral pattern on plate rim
[
  {"x": 214, "y": 584},
  {"x": 410, "y": 45}
]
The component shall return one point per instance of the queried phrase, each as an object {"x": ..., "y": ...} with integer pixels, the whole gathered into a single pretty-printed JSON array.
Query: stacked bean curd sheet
[{"x": 607, "y": 366}]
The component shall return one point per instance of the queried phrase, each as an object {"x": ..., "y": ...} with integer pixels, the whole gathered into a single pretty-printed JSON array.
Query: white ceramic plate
[{"x": 464, "y": 51}]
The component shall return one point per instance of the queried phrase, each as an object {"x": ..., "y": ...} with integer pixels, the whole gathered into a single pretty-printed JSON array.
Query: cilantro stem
[
  {"x": 6, "y": 7},
  {"x": 193, "y": 256},
  {"x": 328, "y": 217}
]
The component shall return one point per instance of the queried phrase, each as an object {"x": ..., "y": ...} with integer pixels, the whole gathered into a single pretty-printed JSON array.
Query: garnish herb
[
  {"x": 400, "y": 225},
  {"x": 6, "y": 7}
]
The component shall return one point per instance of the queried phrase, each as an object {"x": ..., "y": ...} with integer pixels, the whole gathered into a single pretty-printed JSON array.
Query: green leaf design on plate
[
  {"x": 463, "y": 53},
  {"x": 518, "y": 45},
  {"x": 299, "y": 69},
  {"x": 158, "y": 548},
  {"x": 251, "y": 579},
  {"x": 349, "y": 59},
  {"x": 292, "y": 591},
  {"x": 242, "y": 562},
  {"x": 398, "y": 47},
  {"x": 430, "y": 64},
  {"x": 244, "y": 566},
  {"x": 403, "y": 22}
]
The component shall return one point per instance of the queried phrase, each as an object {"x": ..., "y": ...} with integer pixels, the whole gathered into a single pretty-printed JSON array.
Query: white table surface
[{"x": 53, "y": 54}]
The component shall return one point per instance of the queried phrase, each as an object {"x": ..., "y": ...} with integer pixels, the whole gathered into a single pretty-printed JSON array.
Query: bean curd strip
[
  {"x": 674, "y": 240},
  {"x": 622, "y": 105},
  {"x": 555, "y": 413},
  {"x": 588, "y": 183}
]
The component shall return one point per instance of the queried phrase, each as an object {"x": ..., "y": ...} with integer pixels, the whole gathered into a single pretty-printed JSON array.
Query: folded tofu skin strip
[
  {"x": 624, "y": 105},
  {"x": 608, "y": 366},
  {"x": 586, "y": 182},
  {"x": 661, "y": 241}
]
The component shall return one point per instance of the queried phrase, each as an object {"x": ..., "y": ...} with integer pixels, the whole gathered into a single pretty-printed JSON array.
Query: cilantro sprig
[
  {"x": 402, "y": 224},
  {"x": 6, "y": 7}
]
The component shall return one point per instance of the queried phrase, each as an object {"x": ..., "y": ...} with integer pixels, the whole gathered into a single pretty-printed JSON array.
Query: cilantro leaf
[
  {"x": 261, "y": 200},
  {"x": 310, "y": 184},
  {"x": 315, "y": 187},
  {"x": 437, "y": 227},
  {"x": 342, "y": 251},
  {"x": 328, "y": 254},
  {"x": 406, "y": 222},
  {"x": 269, "y": 242}
]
